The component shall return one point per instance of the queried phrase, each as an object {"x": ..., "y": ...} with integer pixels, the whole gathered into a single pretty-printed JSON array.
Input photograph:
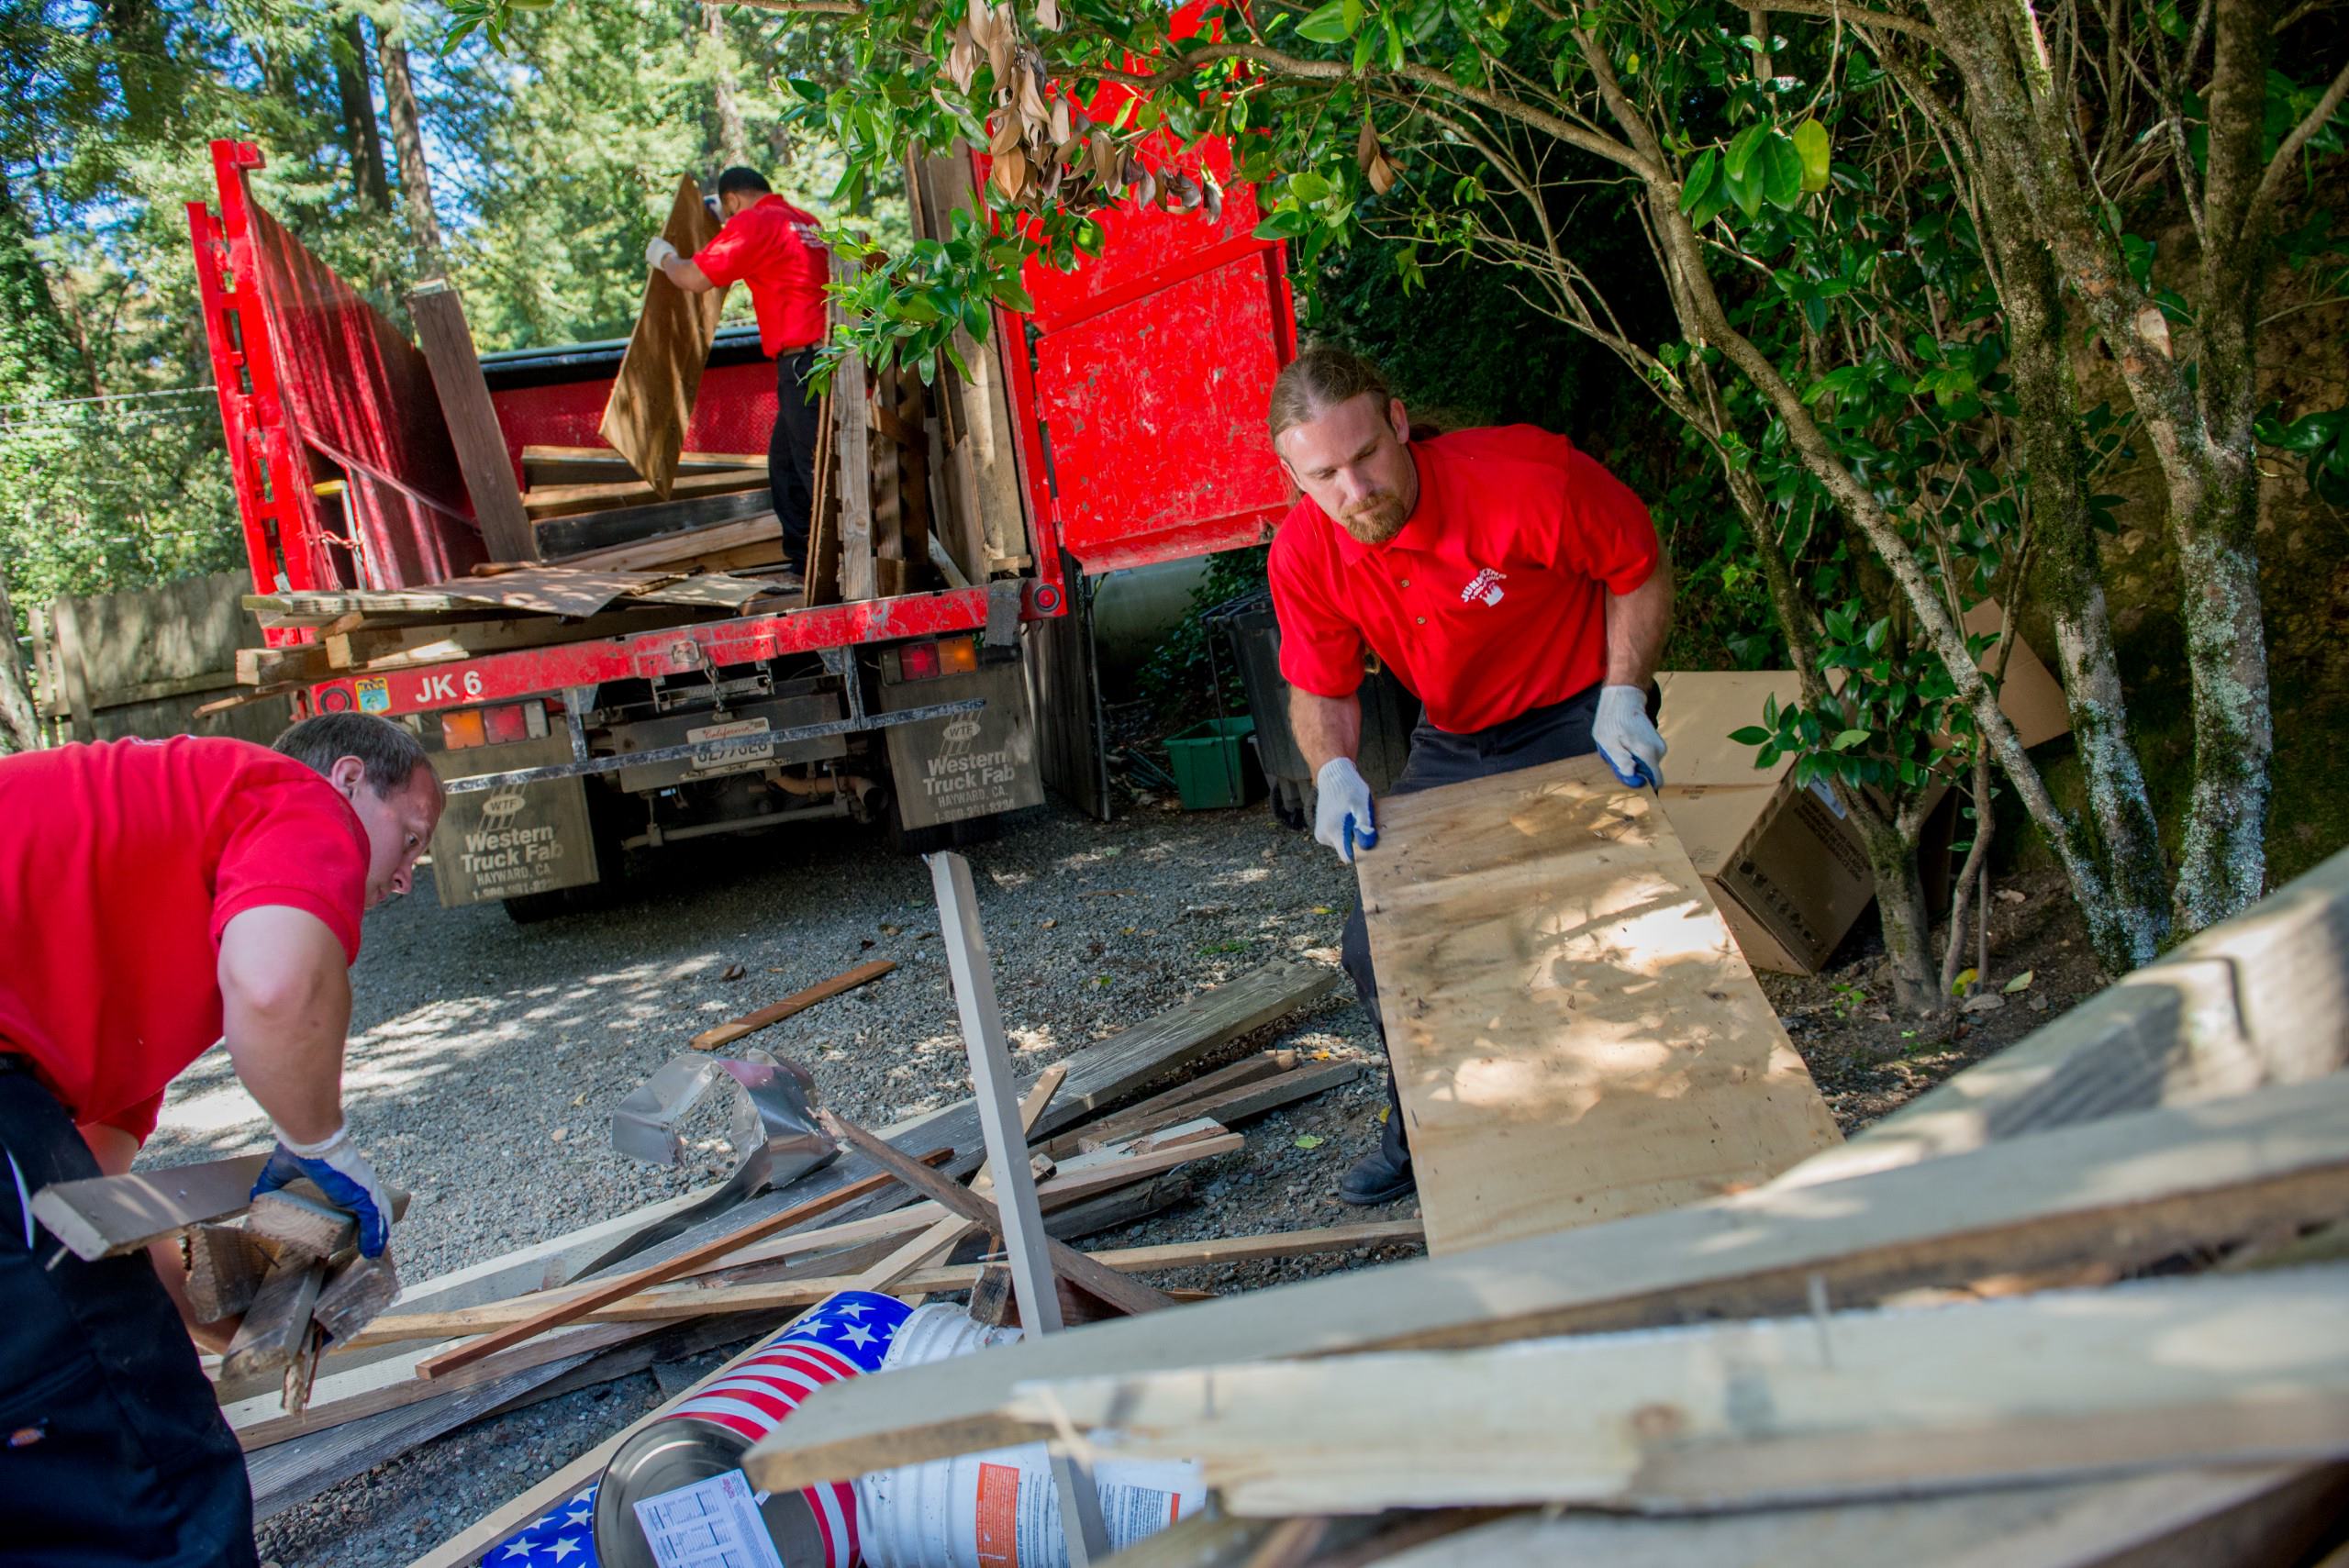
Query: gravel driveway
[{"x": 486, "y": 1058}]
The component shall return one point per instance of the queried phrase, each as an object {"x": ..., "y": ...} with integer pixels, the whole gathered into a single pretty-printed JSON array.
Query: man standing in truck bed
[
  {"x": 1513, "y": 584},
  {"x": 156, "y": 896},
  {"x": 778, "y": 251}
]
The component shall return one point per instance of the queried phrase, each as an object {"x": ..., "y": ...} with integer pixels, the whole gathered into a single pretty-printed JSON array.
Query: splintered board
[
  {"x": 653, "y": 397},
  {"x": 1574, "y": 1034}
]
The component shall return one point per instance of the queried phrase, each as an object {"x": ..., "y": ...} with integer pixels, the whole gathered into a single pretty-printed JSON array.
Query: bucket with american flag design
[{"x": 675, "y": 1489}]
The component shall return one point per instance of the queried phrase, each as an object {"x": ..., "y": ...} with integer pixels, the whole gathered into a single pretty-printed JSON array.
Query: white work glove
[
  {"x": 342, "y": 1173},
  {"x": 1341, "y": 818},
  {"x": 658, "y": 251},
  {"x": 1627, "y": 738}
]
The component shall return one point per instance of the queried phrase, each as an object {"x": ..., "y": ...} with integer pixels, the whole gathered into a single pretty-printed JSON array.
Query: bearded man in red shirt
[
  {"x": 157, "y": 896},
  {"x": 778, "y": 252},
  {"x": 1513, "y": 584}
]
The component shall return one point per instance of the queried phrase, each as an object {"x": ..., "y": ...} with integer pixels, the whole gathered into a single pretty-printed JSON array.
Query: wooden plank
[
  {"x": 355, "y": 1293},
  {"x": 853, "y": 467},
  {"x": 574, "y": 1307},
  {"x": 1847, "y": 1405},
  {"x": 1144, "y": 1114},
  {"x": 821, "y": 575},
  {"x": 2129, "y": 1190},
  {"x": 447, "y": 340},
  {"x": 2073, "y": 1526},
  {"x": 277, "y": 1325},
  {"x": 798, "y": 1002},
  {"x": 67, "y": 621},
  {"x": 601, "y": 465},
  {"x": 548, "y": 501},
  {"x": 303, "y": 662},
  {"x": 297, "y": 1224},
  {"x": 913, "y": 489},
  {"x": 105, "y": 1217},
  {"x": 2262, "y": 998},
  {"x": 687, "y": 545},
  {"x": 225, "y": 1267},
  {"x": 940, "y": 1239},
  {"x": 1575, "y": 1036},
  {"x": 888, "y": 488},
  {"x": 990, "y": 441},
  {"x": 1068, "y": 1262},
  {"x": 652, "y": 396},
  {"x": 565, "y": 536},
  {"x": 396, "y": 647},
  {"x": 1228, "y": 1106}
]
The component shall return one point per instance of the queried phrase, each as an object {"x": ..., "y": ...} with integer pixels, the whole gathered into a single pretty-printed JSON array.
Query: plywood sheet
[
  {"x": 1574, "y": 1034},
  {"x": 653, "y": 397}
]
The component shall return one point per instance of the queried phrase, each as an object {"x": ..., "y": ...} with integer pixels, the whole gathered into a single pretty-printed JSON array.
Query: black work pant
[
  {"x": 791, "y": 453},
  {"x": 112, "y": 1449},
  {"x": 1542, "y": 735}
]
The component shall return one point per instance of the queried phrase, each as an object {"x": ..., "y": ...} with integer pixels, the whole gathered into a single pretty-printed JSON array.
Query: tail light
[
  {"x": 469, "y": 726},
  {"x": 927, "y": 661}
]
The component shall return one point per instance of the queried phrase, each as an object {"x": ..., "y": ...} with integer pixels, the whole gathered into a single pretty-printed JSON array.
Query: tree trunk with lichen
[
  {"x": 733, "y": 139},
  {"x": 19, "y": 720},
  {"x": 407, "y": 142}
]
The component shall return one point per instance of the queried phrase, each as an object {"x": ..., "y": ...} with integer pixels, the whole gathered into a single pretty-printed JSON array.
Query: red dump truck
[{"x": 1135, "y": 392}]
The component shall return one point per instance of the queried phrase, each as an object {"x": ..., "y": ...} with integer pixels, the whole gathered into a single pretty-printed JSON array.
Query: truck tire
[{"x": 606, "y": 820}]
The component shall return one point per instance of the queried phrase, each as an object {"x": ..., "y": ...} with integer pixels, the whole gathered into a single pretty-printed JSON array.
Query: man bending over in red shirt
[
  {"x": 157, "y": 896},
  {"x": 778, "y": 251},
  {"x": 1511, "y": 583}
]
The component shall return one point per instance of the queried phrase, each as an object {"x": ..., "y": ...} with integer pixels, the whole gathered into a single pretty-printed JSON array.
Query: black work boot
[{"x": 1377, "y": 1178}]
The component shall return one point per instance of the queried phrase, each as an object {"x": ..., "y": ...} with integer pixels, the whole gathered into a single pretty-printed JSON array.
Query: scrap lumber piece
[
  {"x": 750, "y": 1023},
  {"x": 986, "y": 441},
  {"x": 543, "y": 465},
  {"x": 695, "y": 545},
  {"x": 2072, "y": 1526},
  {"x": 933, "y": 1244},
  {"x": 652, "y": 396},
  {"x": 1068, "y": 1261},
  {"x": 575, "y": 1307},
  {"x": 888, "y": 499},
  {"x": 441, "y": 331},
  {"x": 225, "y": 1268},
  {"x": 545, "y": 501},
  {"x": 1139, "y": 1116},
  {"x": 1228, "y": 1106},
  {"x": 821, "y": 583},
  {"x": 105, "y": 1217},
  {"x": 2262, "y": 998},
  {"x": 355, "y": 1293},
  {"x": 2130, "y": 1190},
  {"x": 298, "y": 1219},
  {"x": 384, "y": 648},
  {"x": 277, "y": 1325},
  {"x": 592, "y": 531},
  {"x": 1847, "y": 1405},
  {"x": 299, "y": 663},
  {"x": 852, "y": 470},
  {"x": 1575, "y": 1035}
]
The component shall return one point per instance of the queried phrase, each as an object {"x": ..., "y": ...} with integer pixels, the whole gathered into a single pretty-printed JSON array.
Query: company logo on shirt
[{"x": 1485, "y": 586}]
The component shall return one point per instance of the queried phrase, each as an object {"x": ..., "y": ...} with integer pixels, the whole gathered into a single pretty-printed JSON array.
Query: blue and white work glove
[
  {"x": 1341, "y": 817},
  {"x": 658, "y": 251},
  {"x": 1627, "y": 738},
  {"x": 342, "y": 1173}
]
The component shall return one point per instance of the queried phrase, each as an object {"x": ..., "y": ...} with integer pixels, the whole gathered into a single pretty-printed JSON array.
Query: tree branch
[
  {"x": 1858, "y": 15},
  {"x": 2271, "y": 183},
  {"x": 809, "y": 8}
]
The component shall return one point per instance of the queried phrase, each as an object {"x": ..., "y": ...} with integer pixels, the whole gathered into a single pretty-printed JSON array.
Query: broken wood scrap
[
  {"x": 296, "y": 1217},
  {"x": 2133, "y": 1189},
  {"x": 1247, "y": 1070},
  {"x": 571, "y": 500},
  {"x": 996, "y": 1304},
  {"x": 355, "y": 1293},
  {"x": 1066, "y": 1261},
  {"x": 447, "y": 340},
  {"x": 276, "y": 1327},
  {"x": 1854, "y": 1405},
  {"x": 576, "y": 1307},
  {"x": 367, "y": 648},
  {"x": 750, "y": 1023},
  {"x": 567, "y": 537},
  {"x": 1227, "y": 1106},
  {"x": 225, "y": 1268},
  {"x": 940, "y": 1239},
  {"x": 105, "y": 1216},
  {"x": 698, "y": 548}
]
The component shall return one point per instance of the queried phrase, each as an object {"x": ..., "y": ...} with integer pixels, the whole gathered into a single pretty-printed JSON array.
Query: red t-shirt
[
  {"x": 1491, "y": 601},
  {"x": 778, "y": 251},
  {"x": 119, "y": 864}
]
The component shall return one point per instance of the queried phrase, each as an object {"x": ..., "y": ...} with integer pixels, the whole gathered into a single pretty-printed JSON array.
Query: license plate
[{"x": 728, "y": 748}]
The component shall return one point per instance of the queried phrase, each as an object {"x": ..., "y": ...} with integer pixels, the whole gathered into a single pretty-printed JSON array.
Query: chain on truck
[{"x": 1128, "y": 392}]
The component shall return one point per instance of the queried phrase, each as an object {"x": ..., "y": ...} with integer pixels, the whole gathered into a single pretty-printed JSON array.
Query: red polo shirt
[
  {"x": 1490, "y": 602},
  {"x": 119, "y": 864},
  {"x": 779, "y": 252}
]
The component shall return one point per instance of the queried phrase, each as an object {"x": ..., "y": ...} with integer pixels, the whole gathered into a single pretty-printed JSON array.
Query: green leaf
[
  {"x": 1282, "y": 223},
  {"x": 1699, "y": 183},
  {"x": 2019, "y": 983},
  {"x": 1811, "y": 145},
  {"x": 1751, "y": 735},
  {"x": 1965, "y": 981},
  {"x": 806, "y": 89},
  {"x": 1848, "y": 739},
  {"x": 1781, "y": 171},
  {"x": 1310, "y": 1140},
  {"x": 1330, "y": 24},
  {"x": 1742, "y": 149},
  {"x": 1309, "y": 188},
  {"x": 1746, "y": 187}
]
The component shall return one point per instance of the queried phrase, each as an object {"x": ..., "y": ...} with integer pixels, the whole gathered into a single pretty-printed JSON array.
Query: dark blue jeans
[
  {"x": 1540, "y": 735},
  {"x": 112, "y": 1449}
]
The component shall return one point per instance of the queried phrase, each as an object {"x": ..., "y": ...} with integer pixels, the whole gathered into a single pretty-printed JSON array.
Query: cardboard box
[
  {"x": 1790, "y": 874},
  {"x": 2032, "y": 699}
]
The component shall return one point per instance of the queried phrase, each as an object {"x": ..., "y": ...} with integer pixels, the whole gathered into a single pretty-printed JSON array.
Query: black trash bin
[{"x": 1388, "y": 710}]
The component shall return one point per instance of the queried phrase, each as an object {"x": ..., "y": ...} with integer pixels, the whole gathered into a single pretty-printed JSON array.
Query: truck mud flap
[
  {"x": 972, "y": 764},
  {"x": 516, "y": 838}
]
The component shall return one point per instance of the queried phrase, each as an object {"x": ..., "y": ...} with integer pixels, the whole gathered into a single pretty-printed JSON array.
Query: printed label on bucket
[
  {"x": 710, "y": 1523},
  {"x": 1019, "y": 1517}
]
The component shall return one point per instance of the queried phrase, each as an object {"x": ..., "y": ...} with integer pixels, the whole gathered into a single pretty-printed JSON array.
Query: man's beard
[{"x": 1377, "y": 521}]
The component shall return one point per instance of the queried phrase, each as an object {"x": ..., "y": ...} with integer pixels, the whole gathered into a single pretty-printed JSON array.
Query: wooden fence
[{"x": 141, "y": 663}]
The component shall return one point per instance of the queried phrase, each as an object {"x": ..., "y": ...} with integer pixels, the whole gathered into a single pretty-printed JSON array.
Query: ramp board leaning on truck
[{"x": 1575, "y": 1036}]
